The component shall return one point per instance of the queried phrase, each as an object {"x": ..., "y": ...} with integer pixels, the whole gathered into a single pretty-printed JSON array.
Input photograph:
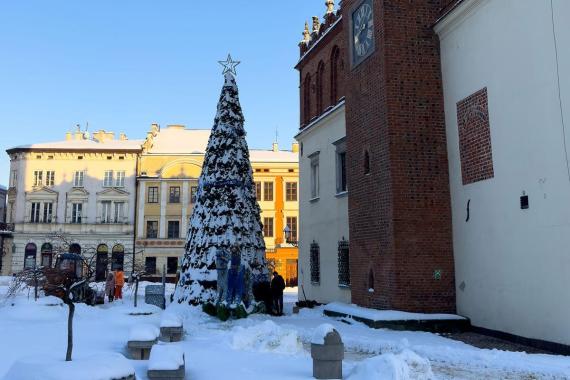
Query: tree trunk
[{"x": 71, "y": 306}]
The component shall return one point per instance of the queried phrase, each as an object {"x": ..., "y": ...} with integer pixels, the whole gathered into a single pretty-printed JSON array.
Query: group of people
[{"x": 114, "y": 285}]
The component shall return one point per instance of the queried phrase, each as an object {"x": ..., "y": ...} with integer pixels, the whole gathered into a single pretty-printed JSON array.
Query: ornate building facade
[
  {"x": 168, "y": 172},
  {"x": 74, "y": 195}
]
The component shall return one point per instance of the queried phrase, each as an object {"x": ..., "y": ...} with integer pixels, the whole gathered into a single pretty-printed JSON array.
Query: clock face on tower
[{"x": 362, "y": 32}]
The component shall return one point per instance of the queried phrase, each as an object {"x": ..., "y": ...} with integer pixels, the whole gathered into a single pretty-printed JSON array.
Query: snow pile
[
  {"x": 406, "y": 365},
  {"x": 266, "y": 337},
  {"x": 143, "y": 333},
  {"x": 170, "y": 319},
  {"x": 97, "y": 367},
  {"x": 385, "y": 315},
  {"x": 165, "y": 357},
  {"x": 321, "y": 332}
]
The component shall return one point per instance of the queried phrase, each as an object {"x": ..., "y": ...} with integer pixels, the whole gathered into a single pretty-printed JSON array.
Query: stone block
[
  {"x": 171, "y": 334},
  {"x": 327, "y": 357},
  {"x": 140, "y": 350}
]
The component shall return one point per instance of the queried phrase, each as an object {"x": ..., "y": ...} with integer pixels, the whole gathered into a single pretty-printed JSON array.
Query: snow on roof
[
  {"x": 176, "y": 139},
  {"x": 85, "y": 145},
  {"x": 257, "y": 155}
]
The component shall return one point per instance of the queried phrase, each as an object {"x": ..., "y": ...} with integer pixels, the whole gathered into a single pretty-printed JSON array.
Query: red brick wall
[
  {"x": 475, "y": 138},
  {"x": 399, "y": 213},
  {"x": 321, "y": 53}
]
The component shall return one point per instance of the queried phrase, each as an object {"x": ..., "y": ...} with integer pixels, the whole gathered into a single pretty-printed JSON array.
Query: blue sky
[{"x": 122, "y": 65}]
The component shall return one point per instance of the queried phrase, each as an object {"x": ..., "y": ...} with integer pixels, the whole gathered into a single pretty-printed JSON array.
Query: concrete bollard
[{"x": 327, "y": 351}]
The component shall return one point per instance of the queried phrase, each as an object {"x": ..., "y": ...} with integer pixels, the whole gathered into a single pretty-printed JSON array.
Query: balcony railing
[{"x": 6, "y": 227}]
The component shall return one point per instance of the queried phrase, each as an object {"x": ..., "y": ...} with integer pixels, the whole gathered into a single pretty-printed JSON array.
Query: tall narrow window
[
  {"x": 258, "y": 191},
  {"x": 108, "y": 182},
  {"x": 174, "y": 194},
  {"x": 50, "y": 178},
  {"x": 152, "y": 194},
  {"x": 78, "y": 179},
  {"x": 291, "y": 191},
  {"x": 320, "y": 87},
  {"x": 13, "y": 178},
  {"x": 171, "y": 265},
  {"x": 314, "y": 176},
  {"x": 292, "y": 224},
  {"x": 48, "y": 212},
  {"x": 47, "y": 255},
  {"x": 120, "y": 179},
  {"x": 151, "y": 229},
  {"x": 76, "y": 211},
  {"x": 173, "y": 229},
  {"x": 268, "y": 227},
  {"x": 35, "y": 212},
  {"x": 105, "y": 212},
  {"x": 119, "y": 214},
  {"x": 268, "y": 191},
  {"x": 193, "y": 192},
  {"x": 343, "y": 264},
  {"x": 30, "y": 256},
  {"x": 314, "y": 263},
  {"x": 341, "y": 182},
  {"x": 38, "y": 174},
  {"x": 307, "y": 99},
  {"x": 335, "y": 61},
  {"x": 366, "y": 162}
]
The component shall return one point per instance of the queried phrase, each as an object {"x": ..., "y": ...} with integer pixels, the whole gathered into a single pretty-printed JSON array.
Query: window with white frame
[
  {"x": 258, "y": 191},
  {"x": 291, "y": 191},
  {"x": 268, "y": 227},
  {"x": 38, "y": 177},
  {"x": 108, "y": 181},
  {"x": 268, "y": 191},
  {"x": 50, "y": 178},
  {"x": 76, "y": 213},
  {"x": 106, "y": 212},
  {"x": 193, "y": 192},
  {"x": 314, "y": 175},
  {"x": 48, "y": 212},
  {"x": 119, "y": 212},
  {"x": 341, "y": 179},
  {"x": 78, "y": 179},
  {"x": 35, "y": 212},
  {"x": 120, "y": 179}
]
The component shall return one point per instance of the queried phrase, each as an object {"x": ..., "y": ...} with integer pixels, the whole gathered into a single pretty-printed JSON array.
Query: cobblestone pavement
[{"x": 489, "y": 342}]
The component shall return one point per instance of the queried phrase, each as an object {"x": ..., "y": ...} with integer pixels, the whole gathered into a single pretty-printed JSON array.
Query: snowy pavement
[{"x": 260, "y": 346}]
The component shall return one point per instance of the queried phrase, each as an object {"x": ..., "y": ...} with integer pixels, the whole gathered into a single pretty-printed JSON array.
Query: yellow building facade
[{"x": 168, "y": 171}]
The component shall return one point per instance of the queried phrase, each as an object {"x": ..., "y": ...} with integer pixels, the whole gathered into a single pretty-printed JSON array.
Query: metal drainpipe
[{"x": 136, "y": 212}]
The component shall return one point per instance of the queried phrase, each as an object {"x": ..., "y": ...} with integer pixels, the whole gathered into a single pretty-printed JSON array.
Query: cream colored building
[
  {"x": 323, "y": 247},
  {"x": 78, "y": 193},
  {"x": 169, "y": 168}
]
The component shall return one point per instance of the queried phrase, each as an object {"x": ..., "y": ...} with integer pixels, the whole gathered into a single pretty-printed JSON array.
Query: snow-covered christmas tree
[{"x": 225, "y": 250}]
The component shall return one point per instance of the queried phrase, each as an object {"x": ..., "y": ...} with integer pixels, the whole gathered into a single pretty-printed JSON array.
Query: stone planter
[
  {"x": 140, "y": 350},
  {"x": 171, "y": 334},
  {"x": 327, "y": 357}
]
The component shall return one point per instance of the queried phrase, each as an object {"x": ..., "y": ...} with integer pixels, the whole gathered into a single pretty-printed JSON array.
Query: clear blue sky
[{"x": 122, "y": 65}]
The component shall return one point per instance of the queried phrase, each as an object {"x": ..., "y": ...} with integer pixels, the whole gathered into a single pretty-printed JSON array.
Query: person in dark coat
[{"x": 277, "y": 287}]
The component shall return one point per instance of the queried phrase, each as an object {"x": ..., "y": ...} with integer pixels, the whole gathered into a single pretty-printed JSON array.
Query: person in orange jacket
[{"x": 119, "y": 282}]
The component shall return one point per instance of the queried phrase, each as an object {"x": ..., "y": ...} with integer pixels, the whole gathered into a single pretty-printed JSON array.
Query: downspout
[{"x": 135, "y": 221}]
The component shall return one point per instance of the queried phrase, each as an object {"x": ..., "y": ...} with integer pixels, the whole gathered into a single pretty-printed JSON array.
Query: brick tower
[{"x": 401, "y": 254}]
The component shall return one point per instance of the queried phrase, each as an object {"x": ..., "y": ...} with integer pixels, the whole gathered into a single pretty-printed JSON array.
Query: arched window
[
  {"x": 335, "y": 58},
  {"x": 366, "y": 162},
  {"x": 320, "y": 87},
  {"x": 75, "y": 248},
  {"x": 307, "y": 99},
  {"x": 101, "y": 262},
  {"x": 30, "y": 256},
  {"x": 371, "y": 281},
  {"x": 47, "y": 255},
  {"x": 118, "y": 257}
]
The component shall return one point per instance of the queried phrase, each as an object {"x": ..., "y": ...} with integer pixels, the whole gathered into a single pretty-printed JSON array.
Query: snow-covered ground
[{"x": 260, "y": 346}]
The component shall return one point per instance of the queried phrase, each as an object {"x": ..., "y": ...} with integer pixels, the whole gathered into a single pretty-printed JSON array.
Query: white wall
[
  {"x": 514, "y": 264},
  {"x": 325, "y": 220}
]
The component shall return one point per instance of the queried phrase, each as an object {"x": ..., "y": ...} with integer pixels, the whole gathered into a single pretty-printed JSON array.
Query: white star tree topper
[{"x": 229, "y": 65}]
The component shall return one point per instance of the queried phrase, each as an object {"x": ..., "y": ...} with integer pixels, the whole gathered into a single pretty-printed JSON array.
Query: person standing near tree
[
  {"x": 119, "y": 282},
  {"x": 110, "y": 286},
  {"x": 277, "y": 287}
]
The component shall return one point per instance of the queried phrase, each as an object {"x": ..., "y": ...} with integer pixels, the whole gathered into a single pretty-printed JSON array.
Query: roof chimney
[
  {"x": 122, "y": 136},
  {"x": 68, "y": 136},
  {"x": 275, "y": 147},
  {"x": 295, "y": 147}
]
